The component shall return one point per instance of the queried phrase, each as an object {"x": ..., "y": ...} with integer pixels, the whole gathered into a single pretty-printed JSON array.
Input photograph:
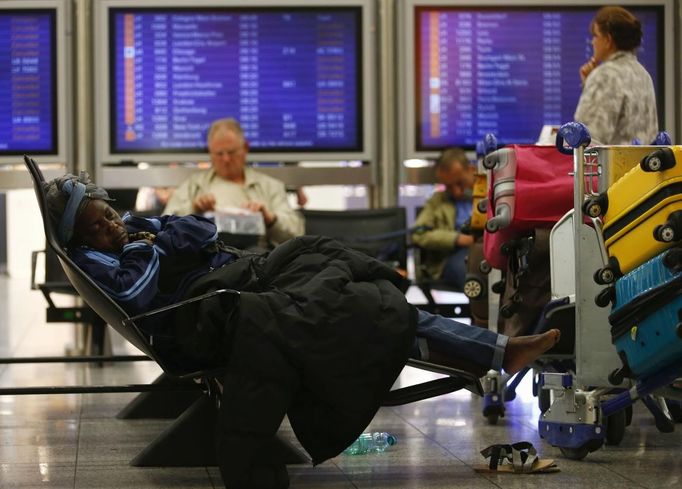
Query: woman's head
[
  {"x": 79, "y": 211},
  {"x": 617, "y": 26}
]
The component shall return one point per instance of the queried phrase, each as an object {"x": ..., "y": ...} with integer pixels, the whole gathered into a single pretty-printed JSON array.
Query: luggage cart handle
[
  {"x": 663, "y": 139},
  {"x": 575, "y": 134},
  {"x": 487, "y": 145}
]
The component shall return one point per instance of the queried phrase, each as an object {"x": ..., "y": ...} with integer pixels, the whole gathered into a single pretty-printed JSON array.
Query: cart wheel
[
  {"x": 508, "y": 310},
  {"x": 544, "y": 400},
  {"x": 505, "y": 249},
  {"x": 617, "y": 376},
  {"x": 672, "y": 258},
  {"x": 592, "y": 208},
  {"x": 492, "y": 419},
  {"x": 484, "y": 267},
  {"x": 664, "y": 424},
  {"x": 604, "y": 297},
  {"x": 482, "y": 206},
  {"x": 575, "y": 453},
  {"x": 498, "y": 287},
  {"x": 494, "y": 410},
  {"x": 604, "y": 276},
  {"x": 665, "y": 233},
  {"x": 651, "y": 163},
  {"x": 489, "y": 162},
  {"x": 628, "y": 415},
  {"x": 473, "y": 288},
  {"x": 615, "y": 427},
  {"x": 582, "y": 451},
  {"x": 675, "y": 409},
  {"x": 658, "y": 160}
]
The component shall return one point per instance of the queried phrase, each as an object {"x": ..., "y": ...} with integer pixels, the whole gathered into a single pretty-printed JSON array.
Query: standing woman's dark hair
[
  {"x": 623, "y": 27},
  {"x": 618, "y": 101}
]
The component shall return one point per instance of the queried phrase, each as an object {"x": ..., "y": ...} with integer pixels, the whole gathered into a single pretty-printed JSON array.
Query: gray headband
[
  {"x": 65, "y": 198},
  {"x": 77, "y": 192}
]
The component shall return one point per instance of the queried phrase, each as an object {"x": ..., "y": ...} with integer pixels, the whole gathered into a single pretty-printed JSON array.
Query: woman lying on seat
[{"x": 320, "y": 333}]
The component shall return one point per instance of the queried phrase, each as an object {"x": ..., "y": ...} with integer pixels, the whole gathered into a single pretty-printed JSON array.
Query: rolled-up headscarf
[{"x": 65, "y": 199}]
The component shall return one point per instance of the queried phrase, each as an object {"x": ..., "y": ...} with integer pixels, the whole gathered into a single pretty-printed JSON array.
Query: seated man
[
  {"x": 444, "y": 215},
  {"x": 230, "y": 183},
  {"x": 320, "y": 333}
]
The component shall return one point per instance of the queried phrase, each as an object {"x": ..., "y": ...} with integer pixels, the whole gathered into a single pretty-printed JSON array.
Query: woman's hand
[{"x": 587, "y": 68}]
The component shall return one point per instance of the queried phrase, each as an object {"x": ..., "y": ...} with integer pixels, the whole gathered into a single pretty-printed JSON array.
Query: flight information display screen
[
  {"x": 291, "y": 77},
  {"x": 28, "y": 100},
  {"x": 508, "y": 71}
]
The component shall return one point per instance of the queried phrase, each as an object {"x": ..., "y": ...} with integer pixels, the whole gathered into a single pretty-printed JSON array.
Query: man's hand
[
  {"x": 587, "y": 68},
  {"x": 255, "y": 206},
  {"x": 204, "y": 203},
  {"x": 464, "y": 240}
]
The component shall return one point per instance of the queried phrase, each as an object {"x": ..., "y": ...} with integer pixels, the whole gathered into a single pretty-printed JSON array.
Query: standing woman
[{"x": 618, "y": 102}]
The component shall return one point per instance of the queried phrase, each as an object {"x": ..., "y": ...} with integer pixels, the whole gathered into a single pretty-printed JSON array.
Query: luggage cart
[{"x": 588, "y": 404}]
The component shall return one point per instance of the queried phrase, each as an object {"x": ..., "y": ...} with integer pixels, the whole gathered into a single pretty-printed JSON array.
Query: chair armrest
[
  {"x": 131, "y": 320},
  {"x": 473, "y": 383}
]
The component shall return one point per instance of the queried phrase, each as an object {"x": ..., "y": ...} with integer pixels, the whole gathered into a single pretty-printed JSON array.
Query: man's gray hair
[{"x": 227, "y": 124}]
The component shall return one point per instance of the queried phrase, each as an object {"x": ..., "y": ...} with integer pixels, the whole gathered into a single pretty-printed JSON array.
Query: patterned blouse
[{"x": 618, "y": 103}]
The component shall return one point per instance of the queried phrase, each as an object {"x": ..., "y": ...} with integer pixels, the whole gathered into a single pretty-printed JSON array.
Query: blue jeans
[
  {"x": 455, "y": 269},
  {"x": 472, "y": 344}
]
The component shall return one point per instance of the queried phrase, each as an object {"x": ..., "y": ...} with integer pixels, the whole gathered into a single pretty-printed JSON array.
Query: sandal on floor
[{"x": 517, "y": 458}]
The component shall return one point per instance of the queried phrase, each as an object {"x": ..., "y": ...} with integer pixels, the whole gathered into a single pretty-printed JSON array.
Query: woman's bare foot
[{"x": 522, "y": 350}]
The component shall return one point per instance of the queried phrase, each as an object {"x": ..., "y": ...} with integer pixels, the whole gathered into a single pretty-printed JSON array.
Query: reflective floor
[{"x": 76, "y": 441}]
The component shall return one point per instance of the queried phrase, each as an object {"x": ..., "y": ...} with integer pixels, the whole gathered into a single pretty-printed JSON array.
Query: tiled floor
[{"x": 75, "y": 441}]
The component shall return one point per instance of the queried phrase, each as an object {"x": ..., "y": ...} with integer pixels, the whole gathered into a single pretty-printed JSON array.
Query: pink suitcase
[{"x": 529, "y": 187}]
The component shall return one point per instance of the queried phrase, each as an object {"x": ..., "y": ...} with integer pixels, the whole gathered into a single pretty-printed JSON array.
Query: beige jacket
[
  {"x": 618, "y": 103},
  {"x": 438, "y": 213},
  {"x": 257, "y": 186}
]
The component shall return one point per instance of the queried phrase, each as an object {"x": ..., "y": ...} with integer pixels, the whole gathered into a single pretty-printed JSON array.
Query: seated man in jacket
[
  {"x": 320, "y": 332},
  {"x": 444, "y": 215},
  {"x": 230, "y": 183}
]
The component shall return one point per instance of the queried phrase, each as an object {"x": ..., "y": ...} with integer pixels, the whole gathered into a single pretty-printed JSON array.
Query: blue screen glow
[
  {"x": 28, "y": 87},
  {"x": 291, "y": 77},
  {"x": 508, "y": 71}
]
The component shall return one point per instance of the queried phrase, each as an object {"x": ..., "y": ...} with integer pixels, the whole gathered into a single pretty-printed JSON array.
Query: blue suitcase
[{"x": 646, "y": 325}]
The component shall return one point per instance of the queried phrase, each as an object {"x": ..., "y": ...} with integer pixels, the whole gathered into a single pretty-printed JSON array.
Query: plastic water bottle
[{"x": 371, "y": 442}]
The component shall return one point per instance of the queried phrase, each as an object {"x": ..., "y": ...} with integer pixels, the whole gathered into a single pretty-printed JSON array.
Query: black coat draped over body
[{"x": 320, "y": 334}]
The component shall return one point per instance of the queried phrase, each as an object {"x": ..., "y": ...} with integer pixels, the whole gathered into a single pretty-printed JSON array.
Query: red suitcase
[{"x": 529, "y": 187}]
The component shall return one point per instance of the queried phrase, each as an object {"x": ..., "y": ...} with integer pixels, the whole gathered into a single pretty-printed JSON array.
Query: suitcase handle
[
  {"x": 575, "y": 134},
  {"x": 642, "y": 306},
  {"x": 487, "y": 145}
]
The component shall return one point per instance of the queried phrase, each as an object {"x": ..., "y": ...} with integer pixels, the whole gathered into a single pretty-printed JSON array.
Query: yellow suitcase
[
  {"x": 480, "y": 203},
  {"x": 642, "y": 212},
  {"x": 614, "y": 162}
]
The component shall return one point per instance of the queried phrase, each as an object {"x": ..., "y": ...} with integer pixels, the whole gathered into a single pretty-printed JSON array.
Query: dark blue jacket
[{"x": 134, "y": 278}]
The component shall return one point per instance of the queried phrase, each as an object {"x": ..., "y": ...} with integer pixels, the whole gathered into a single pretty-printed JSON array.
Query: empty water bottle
[{"x": 371, "y": 442}]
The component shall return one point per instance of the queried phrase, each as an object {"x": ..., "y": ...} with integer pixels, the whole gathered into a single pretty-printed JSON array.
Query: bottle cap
[{"x": 392, "y": 440}]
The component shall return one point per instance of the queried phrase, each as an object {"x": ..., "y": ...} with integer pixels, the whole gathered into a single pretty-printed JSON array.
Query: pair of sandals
[{"x": 516, "y": 458}]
